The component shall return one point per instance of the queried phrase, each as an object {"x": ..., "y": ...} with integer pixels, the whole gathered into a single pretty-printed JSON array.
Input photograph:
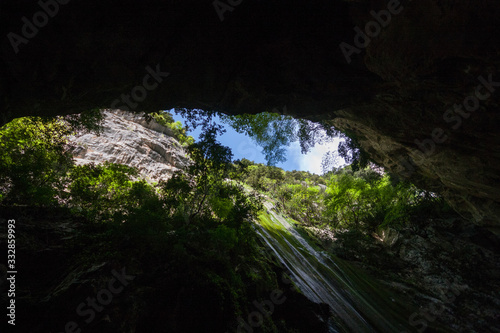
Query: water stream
[{"x": 357, "y": 303}]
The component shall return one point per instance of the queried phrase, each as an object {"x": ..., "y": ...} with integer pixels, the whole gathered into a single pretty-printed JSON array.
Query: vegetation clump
[
  {"x": 365, "y": 200},
  {"x": 165, "y": 118},
  {"x": 198, "y": 223}
]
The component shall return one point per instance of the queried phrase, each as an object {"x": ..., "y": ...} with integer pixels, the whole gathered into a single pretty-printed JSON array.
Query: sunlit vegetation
[
  {"x": 198, "y": 221},
  {"x": 343, "y": 199},
  {"x": 179, "y": 132},
  {"x": 34, "y": 160},
  {"x": 37, "y": 169}
]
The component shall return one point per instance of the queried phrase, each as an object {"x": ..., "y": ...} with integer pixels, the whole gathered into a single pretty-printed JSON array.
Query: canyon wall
[{"x": 127, "y": 138}]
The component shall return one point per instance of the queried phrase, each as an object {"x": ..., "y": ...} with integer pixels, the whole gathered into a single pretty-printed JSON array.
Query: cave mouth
[
  {"x": 395, "y": 93},
  {"x": 418, "y": 94},
  {"x": 117, "y": 226}
]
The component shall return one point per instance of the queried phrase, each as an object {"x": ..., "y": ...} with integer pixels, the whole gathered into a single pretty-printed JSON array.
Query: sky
[{"x": 243, "y": 147}]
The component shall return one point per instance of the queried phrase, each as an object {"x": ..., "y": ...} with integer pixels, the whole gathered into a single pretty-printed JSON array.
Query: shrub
[
  {"x": 34, "y": 160},
  {"x": 165, "y": 119}
]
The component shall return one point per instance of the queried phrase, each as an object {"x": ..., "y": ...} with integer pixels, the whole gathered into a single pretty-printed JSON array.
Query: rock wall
[
  {"x": 389, "y": 72},
  {"x": 127, "y": 138},
  {"x": 447, "y": 267}
]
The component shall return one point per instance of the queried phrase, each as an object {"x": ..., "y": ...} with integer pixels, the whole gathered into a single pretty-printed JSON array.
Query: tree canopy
[{"x": 273, "y": 132}]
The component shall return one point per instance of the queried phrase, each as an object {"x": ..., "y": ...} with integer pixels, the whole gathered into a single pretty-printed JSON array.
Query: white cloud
[{"x": 312, "y": 161}]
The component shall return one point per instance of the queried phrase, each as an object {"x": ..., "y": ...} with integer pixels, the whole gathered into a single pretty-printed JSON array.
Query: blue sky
[{"x": 243, "y": 147}]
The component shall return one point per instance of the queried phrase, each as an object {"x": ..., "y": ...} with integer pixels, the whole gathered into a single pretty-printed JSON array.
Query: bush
[
  {"x": 34, "y": 160},
  {"x": 108, "y": 192},
  {"x": 365, "y": 201},
  {"x": 165, "y": 119}
]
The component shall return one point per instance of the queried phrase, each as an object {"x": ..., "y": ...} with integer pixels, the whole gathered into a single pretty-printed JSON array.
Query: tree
[
  {"x": 106, "y": 192},
  {"x": 271, "y": 131},
  {"x": 34, "y": 159},
  {"x": 166, "y": 119},
  {"x": 274, "y": 131},
  {"x": 366, "y": 200},
  {"x": 204, "y": 190},
  {"x": 35, "y": 156}
]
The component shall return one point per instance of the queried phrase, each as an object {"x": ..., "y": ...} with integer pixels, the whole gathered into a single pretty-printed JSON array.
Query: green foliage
[
  {"x": 194, "y": 228},
  {"x": 348, "y": 200},
  {"x": 271, "y": 131},
  {"x": 350, "y": 150},
  {"x": 108, "y": 192},
  {"x": 296, "y": 192},
  {"x": 33, "y": 160},
  {"x": 364, "y": 200},
  {"x": 303, "y": 202},
  {"x": 35, "y": 157},
  {"x": 198, "y": 222},
  {"x": 164, "y": 118},
  {"x": 88, "y": 121},
  {"x": 204, "y": 191},
  {"x": 180, "y": 134}
]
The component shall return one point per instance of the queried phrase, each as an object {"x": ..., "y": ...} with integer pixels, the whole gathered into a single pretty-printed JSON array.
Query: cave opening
[{"x": 414, "y": 85}]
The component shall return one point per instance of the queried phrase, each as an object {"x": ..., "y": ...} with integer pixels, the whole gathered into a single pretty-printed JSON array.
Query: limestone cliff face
[
  {"x": 127, "y": 138},
  {"x": 395, "y": 87}
]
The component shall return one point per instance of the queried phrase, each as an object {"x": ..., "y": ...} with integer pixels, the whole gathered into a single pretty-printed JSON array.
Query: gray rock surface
[
  {"x": 448, "y": 268},
  {"x": 127, "y": 138}
]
